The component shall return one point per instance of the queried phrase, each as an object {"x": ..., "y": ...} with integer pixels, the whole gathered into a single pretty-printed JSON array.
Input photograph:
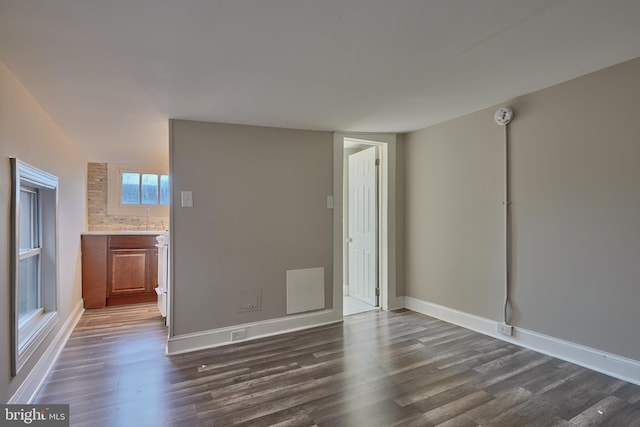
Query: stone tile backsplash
[{"x": 99, "y": 220}]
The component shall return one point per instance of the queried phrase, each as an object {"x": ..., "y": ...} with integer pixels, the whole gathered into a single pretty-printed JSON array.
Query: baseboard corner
[{"x": 601, "y": 361}]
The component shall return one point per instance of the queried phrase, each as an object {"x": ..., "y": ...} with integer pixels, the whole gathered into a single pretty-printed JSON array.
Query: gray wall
[
  {"x": 454, "y": 251},
  {"x": 576, "y": 209},
  {"x": 259, "y": 210},
  {"x": 28, "y": 133}
]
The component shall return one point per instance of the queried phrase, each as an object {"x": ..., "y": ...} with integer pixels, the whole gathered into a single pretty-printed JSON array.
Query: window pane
[
  {"x": 130, "y": 188},
  {"x": 149, "y": 189},
  {"x": 28, "y": 224},
  {"x": 29, "y": 286},
  {"x": 164, "y": 189}
]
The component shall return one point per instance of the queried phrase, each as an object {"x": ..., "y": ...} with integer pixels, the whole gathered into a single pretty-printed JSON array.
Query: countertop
[{"x": 123, "y": 232}]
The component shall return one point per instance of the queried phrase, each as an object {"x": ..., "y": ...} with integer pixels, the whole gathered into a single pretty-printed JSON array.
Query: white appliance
[{"x": 163, "y": 274}]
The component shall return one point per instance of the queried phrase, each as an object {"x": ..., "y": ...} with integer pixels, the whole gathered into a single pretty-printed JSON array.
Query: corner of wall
[{"x": 601, "y": 361}]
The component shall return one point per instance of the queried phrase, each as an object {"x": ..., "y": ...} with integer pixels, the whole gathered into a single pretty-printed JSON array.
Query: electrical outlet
[
  {"x": 250, "y": 299},
  {"x": 504, "y": 329},
  {"x": 238, "y": 335}
]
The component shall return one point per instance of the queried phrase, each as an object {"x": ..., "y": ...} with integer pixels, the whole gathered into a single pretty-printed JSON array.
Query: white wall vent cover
[{"x": 305, "y": 290}]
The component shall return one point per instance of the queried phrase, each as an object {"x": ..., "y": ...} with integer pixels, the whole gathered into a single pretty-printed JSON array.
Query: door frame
[{"x": 387, "y": 238}]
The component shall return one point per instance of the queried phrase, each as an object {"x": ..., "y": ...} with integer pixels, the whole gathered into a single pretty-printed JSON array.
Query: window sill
[{"x": 38, "y": 330}]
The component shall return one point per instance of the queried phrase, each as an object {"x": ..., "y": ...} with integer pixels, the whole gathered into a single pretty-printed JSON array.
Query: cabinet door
[{"x": 128, "y": 270}]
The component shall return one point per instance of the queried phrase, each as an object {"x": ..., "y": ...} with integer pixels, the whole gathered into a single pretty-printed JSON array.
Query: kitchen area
[{"x": 125, "y": 256}]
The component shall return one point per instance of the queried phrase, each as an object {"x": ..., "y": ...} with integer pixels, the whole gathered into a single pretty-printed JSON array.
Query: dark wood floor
[{"x": 376, "y": 369}]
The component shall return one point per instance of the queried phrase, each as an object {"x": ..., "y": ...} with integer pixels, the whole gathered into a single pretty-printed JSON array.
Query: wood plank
[{"x": 377, "y": 369}]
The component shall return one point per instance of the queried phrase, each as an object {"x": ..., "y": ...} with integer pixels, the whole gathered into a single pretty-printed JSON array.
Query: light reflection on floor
[{"x": 351, "y": 305}]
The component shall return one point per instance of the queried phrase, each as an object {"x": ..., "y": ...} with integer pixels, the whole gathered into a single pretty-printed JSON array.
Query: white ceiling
[{"x": 112, "y": 72}]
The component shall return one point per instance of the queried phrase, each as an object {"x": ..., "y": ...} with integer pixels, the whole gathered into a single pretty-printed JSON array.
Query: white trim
[
  {"x": 29, "y": 253},
  {"x": 35, "y": 334},
  {"x": 218, "y": 337},
  {"x": 607, "y": 363},
  {"x": 338, "y": 234},
  {"x": 24, "y": 343},
  {"x": 37, "y": 376},
  {"x": 387, "y": 268},
  {"x": 35, "y": 176}
]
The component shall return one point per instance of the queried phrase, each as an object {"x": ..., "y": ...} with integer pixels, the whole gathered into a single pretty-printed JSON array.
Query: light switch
[
  {"x": 329, "y": 202},
  {"x": 187, "y": 199}
]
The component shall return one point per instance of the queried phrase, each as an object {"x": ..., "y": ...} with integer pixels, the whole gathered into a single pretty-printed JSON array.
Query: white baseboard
[
  {"x": 218, "y": 337},
  {"x": 34, "y": 380},
  {"x": 607, "y": 363}
]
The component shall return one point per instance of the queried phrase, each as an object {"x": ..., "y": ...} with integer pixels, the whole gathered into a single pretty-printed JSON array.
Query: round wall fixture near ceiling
[{"x": 503, "y": 116}]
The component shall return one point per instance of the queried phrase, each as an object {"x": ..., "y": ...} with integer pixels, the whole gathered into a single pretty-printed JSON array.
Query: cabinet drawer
[{"x": 132, "y": 241}]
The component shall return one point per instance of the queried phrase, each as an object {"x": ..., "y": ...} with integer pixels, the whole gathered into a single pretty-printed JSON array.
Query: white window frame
[
  {"x": 114, "y": 190},
  {"x": 28, "y": 334},
  {"x": 29, "y": 324}
]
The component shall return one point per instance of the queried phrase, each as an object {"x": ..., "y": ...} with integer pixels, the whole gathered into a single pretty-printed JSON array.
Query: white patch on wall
[{"x": 305, "y": 290}]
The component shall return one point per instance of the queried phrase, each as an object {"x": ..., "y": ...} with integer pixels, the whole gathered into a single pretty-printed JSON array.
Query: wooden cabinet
[
  {"x": 94, "y": 270},
  {"x": 118, "y": 269}
]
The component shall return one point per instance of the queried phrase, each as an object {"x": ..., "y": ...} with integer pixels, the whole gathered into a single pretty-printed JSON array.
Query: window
[
  {"x": 29, "y": 282},
  {"x": 141, "y": 190},
  {"x": 34, "y": 259},
  {"x": 144, "y": 189}
]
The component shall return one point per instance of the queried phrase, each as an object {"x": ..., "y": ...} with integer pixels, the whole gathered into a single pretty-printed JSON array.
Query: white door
[{"x": 363, "y": 226}]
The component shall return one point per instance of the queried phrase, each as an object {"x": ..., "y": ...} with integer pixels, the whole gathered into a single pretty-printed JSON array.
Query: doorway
[
  {"x": 360, "y": 206},
  {"x": 385, "y": 239}
]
